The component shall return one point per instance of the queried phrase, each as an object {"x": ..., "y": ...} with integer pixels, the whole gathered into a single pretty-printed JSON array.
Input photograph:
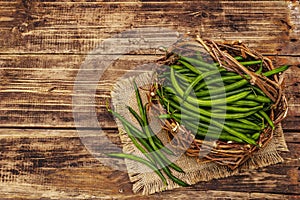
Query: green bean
[
  {"x": 135, "y": 142},
  {"x": 185, "y": 71},
  {"x": 159, "y": 154},
  {"x": 238, "y": 77},
  {"x": 196, "y": 62},
  {"x": 135, "y": 132},
  {"x": 141, "y": 160},
  {"x": 177, "y": 67},
  {"x": 123, "y": 120},
  {"x": 229, "y": 73},
  {"x": 206, "y": 66},
  {"x": 156, "y": 140},
  {"x": 136, "y": 116},
  {"x": 223, "y": 136},
  {"x": 185, "y": 78},
  {"x": 258, "y": 90},
  {"x": 162, "y": 147},
  {"x": 205, "y": 102},
  {"x": 198, "y": 79},
  {"x": 167, "y": 162},
  {"x": 242, "y": 125},
  {"x": 245, "y": 131},
  {"x": 255, "y": 136},
  {"x": 216, "y": 123},
  {"x": 139, "y": 100},
  {"x": 173, "y": 178},
  {"x": 196, "y": 109},
  {"x": 216, "y": 80},
  {"x": 138, "y": 134},
  {"x": 191, "y": 75},
  {"x": 238, "y": 58},
  {"x": 145, "y": 119},
  {"x": 245, "y": 103},
  {"x": 182, "y": 84},
  {"x": 199, "y": 56},
  {"x": 155, "y": 151},
  {"x": 227, "y": 94},
  {"x": 226, "y": 88},
  {"x": 237, "y": 94},
  {"x": 201, "y": 126},
  {"x": 267, "y": 118},
  {"x": 259, "y": 118},
  {"x": 245, "y": 121},
  {"x": 258, "y": 98},
  {"x": 192, "y": 85},
  {"x": 260, "y": 69},
  {"x": 225, "y": 127},
  {"x": 153, "y": 136},
  {"x": 160, "y": 158},
  {"x": 209, "y": 103},
  {"x": 143, "y": 114},
  {"x": 201, "y": 132},
  {"x": 251, "y": 62},
  {"x": 276, "y": 70},
  {"x": 190, "y": 67},
  {"x": 254, "y": 119},
  {"x": 238, "y": 109}
]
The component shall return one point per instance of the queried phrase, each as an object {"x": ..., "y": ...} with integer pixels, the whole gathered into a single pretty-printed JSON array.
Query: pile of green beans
[
  {"x": 148, "y": 143},
  {"x": 213, "y": 102}
]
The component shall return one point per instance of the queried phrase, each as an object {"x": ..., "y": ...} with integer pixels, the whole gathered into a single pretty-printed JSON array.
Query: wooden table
[{"x": 44, "y": 43}]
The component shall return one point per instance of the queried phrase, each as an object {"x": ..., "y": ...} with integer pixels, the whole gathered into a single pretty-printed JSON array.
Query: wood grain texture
[
  {"x": 54, "y": 162},
  {"x": 43, "y": 45},
  {"x": 78, "y": 27}
]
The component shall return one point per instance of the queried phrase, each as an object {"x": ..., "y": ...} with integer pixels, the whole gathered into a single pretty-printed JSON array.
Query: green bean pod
[
  {"x": 140, "y": 160},
  {"x": 267, "y": 118},
  {"x": 190, "y": 67},
  {"x": 205, "y": 102},
  {"x": 204, "y": 65},
  {"x": 202, "y": 131},
  {"x": 198, "y": 110},
  {"x": 242, "y": 125},
  {"x": 258, "y": 98},
  {"x": 198, "y": 79},
  {"x": 214, "y": 122}
]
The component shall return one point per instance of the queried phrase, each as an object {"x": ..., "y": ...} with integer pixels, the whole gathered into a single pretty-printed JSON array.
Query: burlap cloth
[{"x": 147, "y": 181}]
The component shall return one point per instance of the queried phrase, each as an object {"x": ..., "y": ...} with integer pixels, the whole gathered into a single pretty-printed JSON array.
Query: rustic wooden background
[{"x": 43, "y": 43}]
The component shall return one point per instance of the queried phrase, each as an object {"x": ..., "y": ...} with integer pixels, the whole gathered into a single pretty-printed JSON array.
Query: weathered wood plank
[
  {"x": 56, "y": 164},
  {"x": 16, "y": 193},
  {"x": 43, "y": 44},
  {"x": 292, "y": 91},
  {"x": 37, "y": 90},
  {"x": 78, "y": 27}
]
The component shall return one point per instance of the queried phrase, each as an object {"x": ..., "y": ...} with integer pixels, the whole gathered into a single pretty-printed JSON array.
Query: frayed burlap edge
[{"x": 148, "y": 182}]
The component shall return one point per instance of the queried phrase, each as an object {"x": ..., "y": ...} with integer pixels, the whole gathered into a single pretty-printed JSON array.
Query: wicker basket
[{"x": 230, "y": 154}]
